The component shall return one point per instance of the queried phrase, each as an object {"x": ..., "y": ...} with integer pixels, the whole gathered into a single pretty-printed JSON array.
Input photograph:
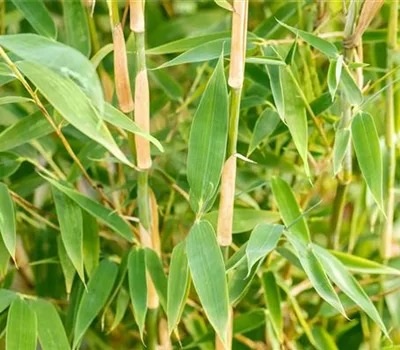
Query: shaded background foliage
[{"x": 271, "y": 270}]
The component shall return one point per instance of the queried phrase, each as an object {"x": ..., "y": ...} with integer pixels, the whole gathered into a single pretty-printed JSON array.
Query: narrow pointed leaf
[
  {"x": 6, "y": 298},
  {"x": 207, "y": 143},
  {"x": 348, "y": 284},
  {"x": 315, "y": 272},
  {"x": 71, "y": 225},
  {"x": 272, "y": 61},
  {"x": 76, "y": 25},
  {"x": 94, "y": 298},
  {"x": 67, "y": 266},
  {"x": 289, "y": 209},
  {"x": 155, "y": 268},
  {"x": 263, "y": 240},
  {"x": 273, "y": 301},
  {"x": 225, "y": 4},
  {"x": 326, "y": 47},
  {"x": 62, "y": 58},
  {"x": 178, "y": 285},
  {"x": 105, "y": 215},
  {"x": 138, "y": 286},
  {"x": 51, "y": 331},
  {"x": 208, "y": 274},
  {"x": 59, "y": 91},
  {"x": 7, "y": 220},
  {"x": 123, "y": 300},
  {"x": 91, "y": 243},
  {"x": 350, "y": 87},
  {"x": 14, "y": 99},
  {"x": 9, "y": 164},
  {"x": 342, "y": 139},
  {"x": 334, "y": 74},
  {"x": 38, "y": 16},
  {"x": 21, "y": 330},
  {"x": 366, "y": 144}
]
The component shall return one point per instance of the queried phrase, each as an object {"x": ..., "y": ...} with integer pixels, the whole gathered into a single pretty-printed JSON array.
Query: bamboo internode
[{"x": 137, "y": 16}]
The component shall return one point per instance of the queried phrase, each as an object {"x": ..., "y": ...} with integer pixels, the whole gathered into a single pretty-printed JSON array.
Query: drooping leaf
[
  {"x": 178, "y": 285},
  {"x": 245, "y": 219},
  {"x": 289, "y": 209},
  {"x": 91, "y": 242},
  {"x": 208, "y": 274},
  {"x": 207, "y": 143},
  {"x": 263, "y": 240},
  {"x": 342, "y": 139},
  {"x": 105, "y": 215},
  {"x": 315, "y": 271},
  {"x": 326, "y": 47},
  {"x": 348, "y": 284},
  {"x": 123, "y": 300},
  {"x": 358, "y": 264},
  {"x": 350, "y": 87},
  {"x": 94, "y": 298},
  {"x": 14, "y": 99},
  {"x": 76, "y": 25},
  {"x": 38, "y": 16},
  {"x": 138, "y": 286},
  {"x": 67, "y": 266},
  {"x": 273, "y": 301},
  {"x": 7, "y": 220},
  {"x": 60, "y": 91},
  {"x": 9, "y": 164},
  {"x": 366, "y": 144},
  {"x": 21, "y": 330},
  {"x": 6, "y": 298},
  {"x": 334, "y": 74},
  {"x": 62, "y": 58},
  {"x": 71, "y": 225},
  {"x": 265, "y": 126},
  {"x": 51, "y": 331},
  {"x": 155, "y": 268}
]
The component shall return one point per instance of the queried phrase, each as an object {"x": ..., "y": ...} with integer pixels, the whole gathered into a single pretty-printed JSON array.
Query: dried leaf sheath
[
  {"x": 137, "y": 16},
  {"x": 122, "y": 84},
  {"x": 142, "y": 119},
  {"x": 238, "y": 49},
  {"x": 225, "y": 217}
]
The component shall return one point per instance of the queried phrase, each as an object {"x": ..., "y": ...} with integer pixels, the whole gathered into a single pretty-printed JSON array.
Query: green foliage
[{"x": 98, "y": 253}]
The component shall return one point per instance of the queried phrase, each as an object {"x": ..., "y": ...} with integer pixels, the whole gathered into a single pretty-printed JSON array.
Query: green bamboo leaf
[
  {"x": 155, "y": 268},
  {"x": 207, "y": 143},
  {"x": 186, "y": 44},
  {"x": 51, "y": 331},
  {"x": 6, "y": 298},
  {"x": 123, "y": 300},
  {"x": 91, "y": 243},
  {"x": 60, "y": 91},
  {"x": 326, "y": 47},
  {"x": 71, "y": 226},
  {"x": 289, "y": 209},
  {"x": 245, "y": 219},
  {"x": 323, "y": 339},
  {"x": 9, "y": 164},
  {"x": 94, "y": 298},
  {"x": 38, "y": 16},
  {"x": 14, "y": 99},
  {"x": 138, "y": 286},
  {"x": 342, "y": 139},
  {"x": 208, "y": 273},
  {"x": 263, "y": 240},
  {"x": 225, "y": 4},
  {"x": 265, "y": 126},
  {"x": 62, "y": 58},
  {"x": 366, "y": 144},
  {"x": 21, "y": 330},
  {"x": 25, "y": 130},
  {"x": 178, "y": 285},
  {"x": 105, "y": 215},
  {"x": 76, "y": 25},
  {"x": 101, "y": 54},
  {"x": 348, "y": 284},
  {"x": 273, "y": 301},
  {"x": 315, "y": 271},
  {"x": 290, "y": 106},
  {"x": 361, "y": 265},
  {"x": 237, "y": 258},
  {"x": 272, "y": 61},
  {"x": 291, "y": 55},
  {"x": 350, "y": 87},
  {"x": 117, "y": 118},
  {"x": 7, "y": 220},
  {"x": 67, "y": 266},
  {"x": 334, "y": 74}
]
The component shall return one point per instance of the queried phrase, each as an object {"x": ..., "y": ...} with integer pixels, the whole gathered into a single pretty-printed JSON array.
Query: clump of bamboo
[{"x": 235, "y": 81}]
